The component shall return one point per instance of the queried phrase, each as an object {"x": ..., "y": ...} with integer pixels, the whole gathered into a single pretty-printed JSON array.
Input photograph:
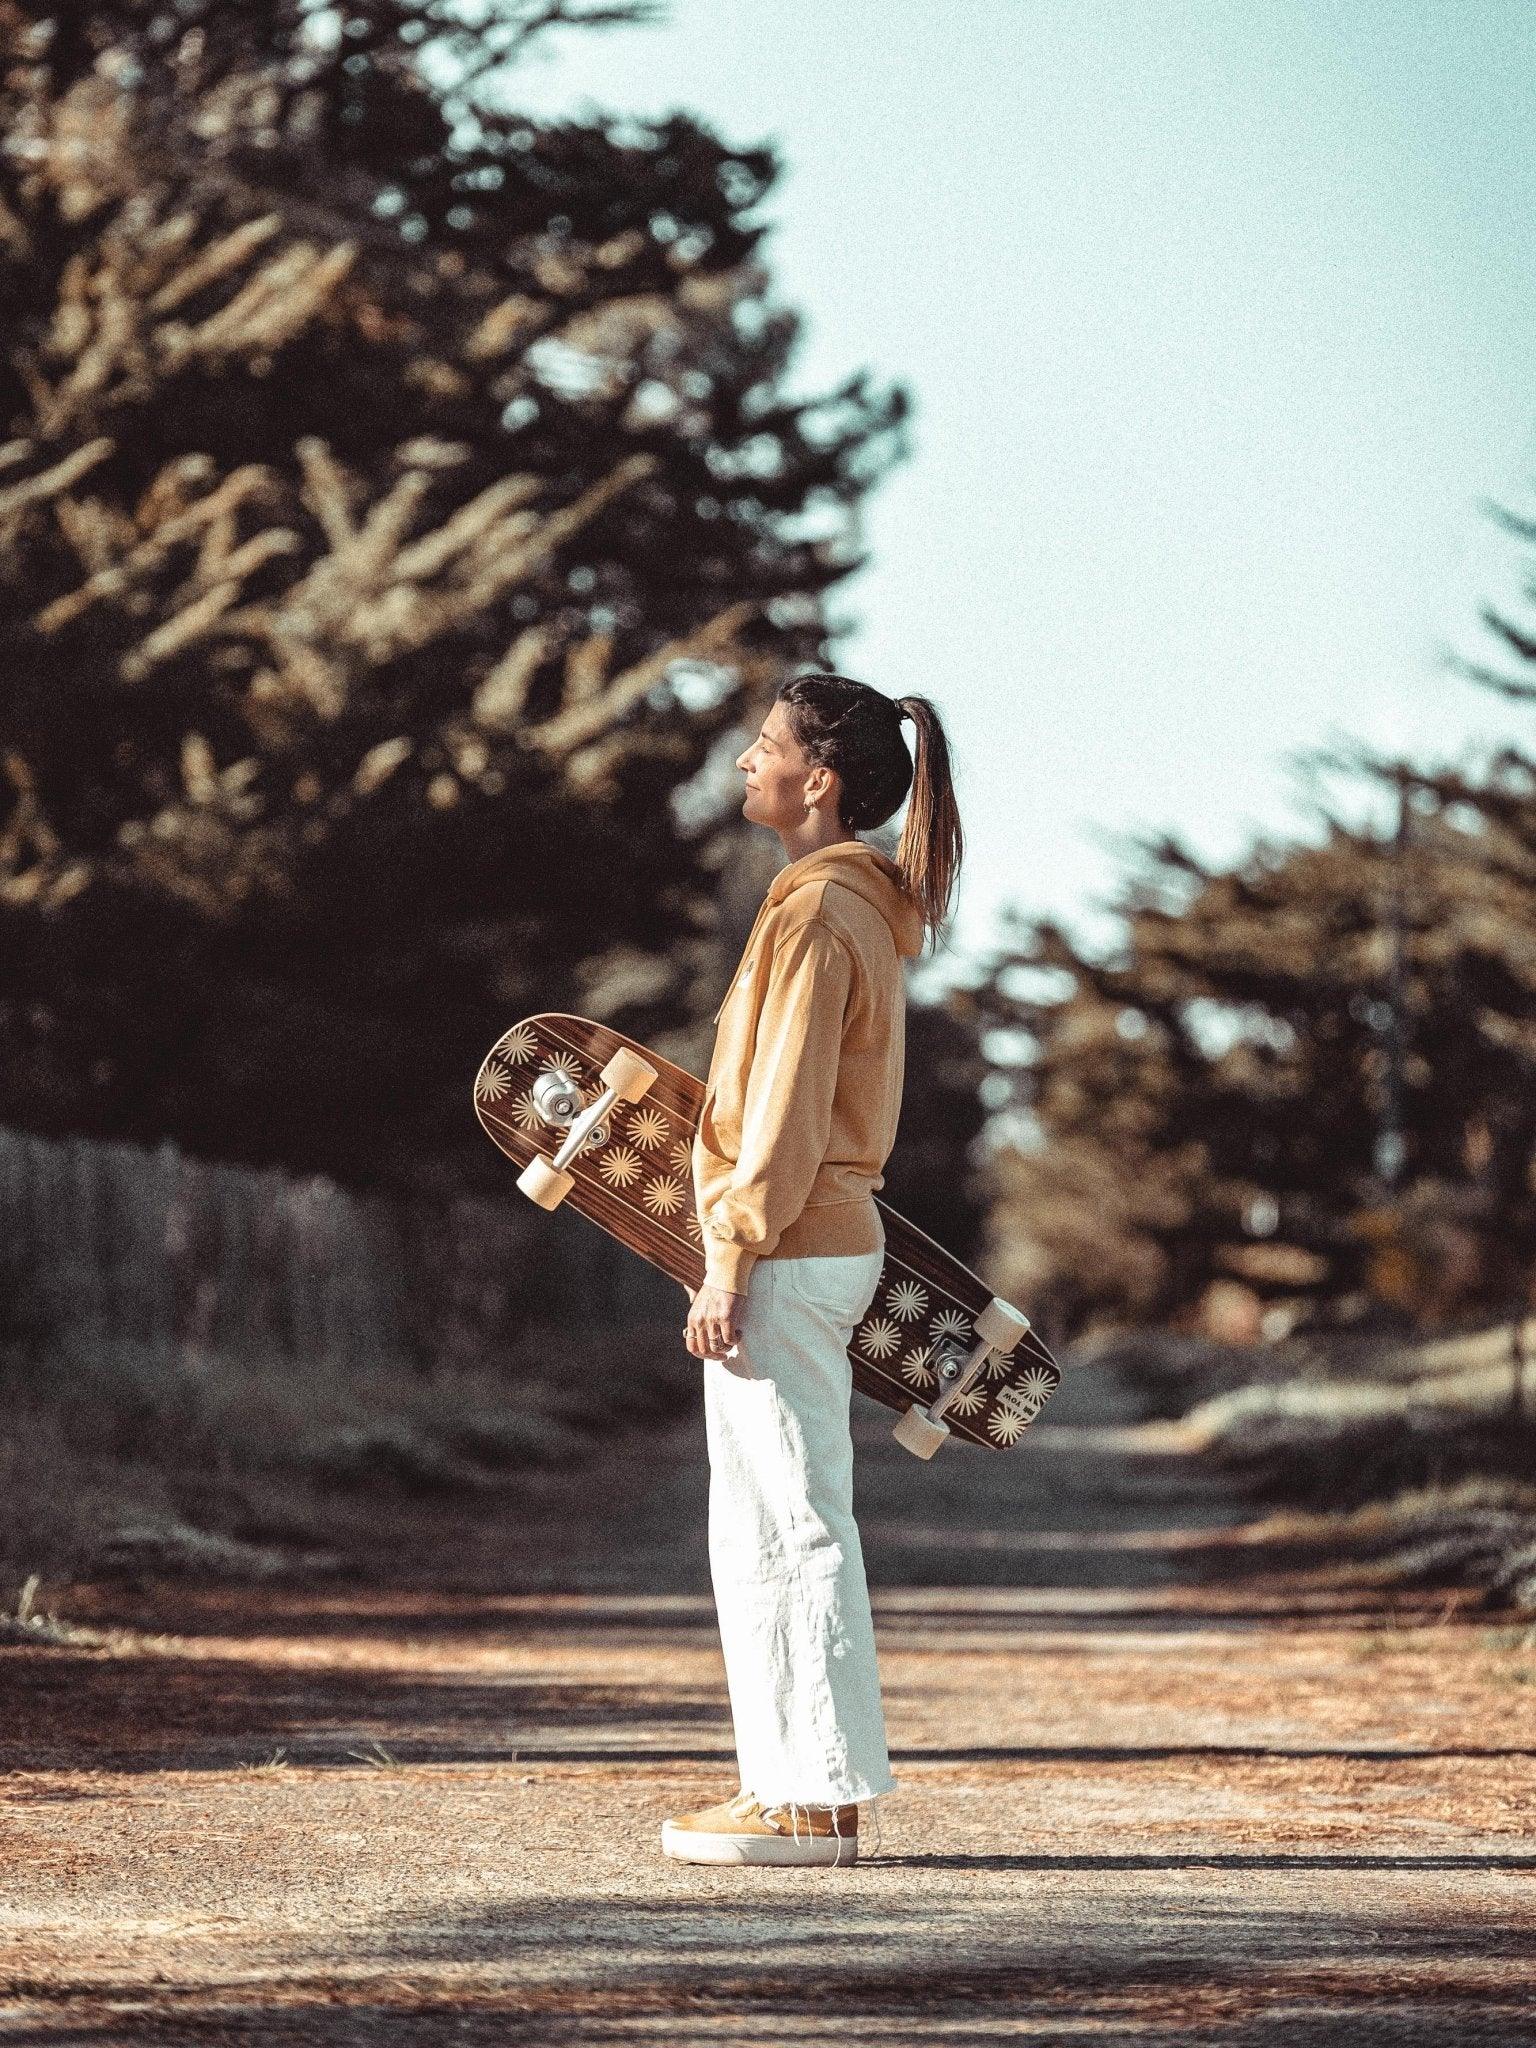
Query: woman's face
[{"x": 780, "y": 780}]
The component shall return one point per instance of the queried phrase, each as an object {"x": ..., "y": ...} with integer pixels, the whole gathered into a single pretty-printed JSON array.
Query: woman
[{"x": 800, "y": 1113}]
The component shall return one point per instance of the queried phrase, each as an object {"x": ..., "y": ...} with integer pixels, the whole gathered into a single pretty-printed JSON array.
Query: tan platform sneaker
[{"x": 743, "y": 1830}]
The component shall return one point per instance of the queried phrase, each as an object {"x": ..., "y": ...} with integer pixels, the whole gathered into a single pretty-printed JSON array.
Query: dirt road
[{"x": 1141, "y": 1797}]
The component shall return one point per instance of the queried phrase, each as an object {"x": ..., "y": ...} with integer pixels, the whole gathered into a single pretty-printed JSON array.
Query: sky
[{"x": 1218, "y": 324}]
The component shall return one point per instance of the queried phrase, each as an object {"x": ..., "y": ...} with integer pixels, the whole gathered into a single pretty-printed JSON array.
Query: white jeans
[{"x": 784, "y": 1550}]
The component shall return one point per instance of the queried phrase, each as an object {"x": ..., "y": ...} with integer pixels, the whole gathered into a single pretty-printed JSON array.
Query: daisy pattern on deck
[
  {"x": 967, "y": 1401},
  {"x": 906, "y": 1299},
  {"x": 526, "y": 1115},
  {"x": 493, "y": 1083},
  {"x": 619, "y": 1166},
  {"x": 647, "y": 1127},
  {"x": 1018, "y": 1406},
  {"x": 950, "y": 1322},
  {"x": 880, "y": 1338},
  {"x": 917, "y": 1367},
  {"x": 516, "y": 1045},
  {"x": 1034, "y": 1389},
  {"x": 1006, "y": 1425},
  {"x": 681, "y": 1155},
  {"x": 693, "y": 1229},
  {"x": 663, "y": 1197}
]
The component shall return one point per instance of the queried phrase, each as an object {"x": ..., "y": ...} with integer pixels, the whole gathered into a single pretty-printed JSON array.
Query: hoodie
[{"x": 804, "y": 1087}]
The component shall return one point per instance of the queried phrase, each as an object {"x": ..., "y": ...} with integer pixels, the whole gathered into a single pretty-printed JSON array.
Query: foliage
[
  {"x": 1207, "y": 1102},
  {"x": 398, "y": 498}
]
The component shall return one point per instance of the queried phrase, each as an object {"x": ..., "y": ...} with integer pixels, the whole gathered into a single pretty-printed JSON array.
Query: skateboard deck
[{"x": 633, "y": 1177}]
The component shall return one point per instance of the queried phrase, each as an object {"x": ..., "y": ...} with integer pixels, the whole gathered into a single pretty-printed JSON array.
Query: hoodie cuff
[{"x": 727, "y": 1265}]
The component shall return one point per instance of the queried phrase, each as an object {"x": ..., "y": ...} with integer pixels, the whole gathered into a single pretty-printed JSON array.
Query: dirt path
[{"x": 1141, "y": 1798}]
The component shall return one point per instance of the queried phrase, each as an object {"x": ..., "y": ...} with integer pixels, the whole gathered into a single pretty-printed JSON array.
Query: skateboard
[{"x": 601, "y": 1125}]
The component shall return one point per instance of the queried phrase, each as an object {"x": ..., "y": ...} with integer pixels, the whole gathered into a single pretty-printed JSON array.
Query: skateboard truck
[
  {"x": 998, "y": 1329},
  {"x": 556, "y": 1098}
]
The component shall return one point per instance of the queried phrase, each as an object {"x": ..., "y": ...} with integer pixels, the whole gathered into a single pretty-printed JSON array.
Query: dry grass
[
  {"x": 1408, "y": 1462},
  {"x": 119, "y": 1461},
  {"x": 1479, "y": 1533},
  {"x": 26, "y": 1622},
  {"x": 1345, "y": 1441},
  {"x": 1175, "y": 1371}
]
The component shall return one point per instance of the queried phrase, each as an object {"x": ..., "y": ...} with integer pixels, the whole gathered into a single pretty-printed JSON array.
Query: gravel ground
[{"x": 1149, "y": 1789}]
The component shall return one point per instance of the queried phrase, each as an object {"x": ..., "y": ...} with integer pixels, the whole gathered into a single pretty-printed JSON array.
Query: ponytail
[{"x": 932, "y": 843}]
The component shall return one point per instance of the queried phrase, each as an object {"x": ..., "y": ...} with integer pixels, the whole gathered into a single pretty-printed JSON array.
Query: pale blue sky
[{"x": 1219, "y": 322}]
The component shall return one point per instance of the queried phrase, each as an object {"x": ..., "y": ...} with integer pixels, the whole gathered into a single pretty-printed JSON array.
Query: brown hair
[{"x": 855, "y": 730}]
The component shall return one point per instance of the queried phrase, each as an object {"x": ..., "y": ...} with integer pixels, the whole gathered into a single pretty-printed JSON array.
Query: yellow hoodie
[{"x": 804, "y": 1086}]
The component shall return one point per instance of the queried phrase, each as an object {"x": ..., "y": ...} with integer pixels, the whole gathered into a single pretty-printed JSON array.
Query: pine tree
[
  {"x": 398, "y": 499},
  {"x": 1314, "y": 1072},
  {"x": 1209, "y": 1098}
]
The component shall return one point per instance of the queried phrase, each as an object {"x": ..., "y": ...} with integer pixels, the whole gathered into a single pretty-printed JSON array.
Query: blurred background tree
[
  {"x": 1307, "y": 1081},
  {"x": 400, "y": 510}
]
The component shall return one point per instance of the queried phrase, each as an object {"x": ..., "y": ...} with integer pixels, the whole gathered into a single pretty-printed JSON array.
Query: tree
[
  {"x": 1211, "y": 1098},
  {"x": 1207, "y": 1100},
  {"x": 398, "y": 500}
]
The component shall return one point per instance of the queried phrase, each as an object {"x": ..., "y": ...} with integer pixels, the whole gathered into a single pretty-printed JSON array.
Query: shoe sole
[{"x": 685, "y": 1846}]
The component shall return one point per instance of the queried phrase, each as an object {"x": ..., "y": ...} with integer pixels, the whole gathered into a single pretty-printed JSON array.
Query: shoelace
[{"x": 744, "y": 1806}]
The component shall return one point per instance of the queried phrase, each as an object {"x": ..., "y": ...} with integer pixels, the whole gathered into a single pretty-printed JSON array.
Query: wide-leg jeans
[{"x": 784, "y": 1550}]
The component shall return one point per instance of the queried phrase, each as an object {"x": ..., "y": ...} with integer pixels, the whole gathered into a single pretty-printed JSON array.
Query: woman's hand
[{"x": 714, "y": 1321}]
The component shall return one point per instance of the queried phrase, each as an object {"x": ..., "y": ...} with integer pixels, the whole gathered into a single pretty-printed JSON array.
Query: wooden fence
[{"x": 121, "y": 1241}]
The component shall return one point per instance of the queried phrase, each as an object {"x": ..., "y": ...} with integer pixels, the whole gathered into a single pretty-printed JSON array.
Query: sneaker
[{"x": 744, "y": 1830}]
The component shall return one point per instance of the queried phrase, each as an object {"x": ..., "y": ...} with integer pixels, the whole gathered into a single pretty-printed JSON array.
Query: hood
[{"x": 870, "y": 874}]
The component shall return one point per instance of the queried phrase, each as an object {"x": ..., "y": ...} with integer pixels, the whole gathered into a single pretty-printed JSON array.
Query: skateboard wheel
[
  {"x": 545, "y": 1184},
  {"x": 628, "y": 1075},
  {"x": 917, "y": 1434},
  {"x": 1000, "y": 1325}
]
